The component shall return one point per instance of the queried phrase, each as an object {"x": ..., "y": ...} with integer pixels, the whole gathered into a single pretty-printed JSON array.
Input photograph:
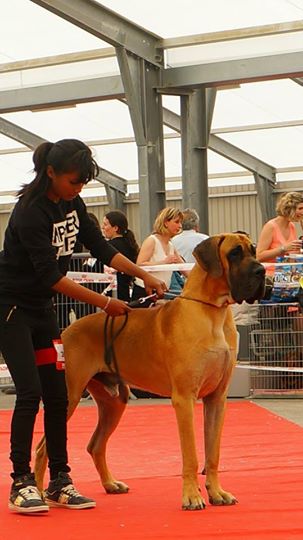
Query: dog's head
[{"x": 232, "y": 257}]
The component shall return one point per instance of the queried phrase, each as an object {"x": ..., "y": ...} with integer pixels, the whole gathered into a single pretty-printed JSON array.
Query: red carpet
[{"x": 261, "y": 463}]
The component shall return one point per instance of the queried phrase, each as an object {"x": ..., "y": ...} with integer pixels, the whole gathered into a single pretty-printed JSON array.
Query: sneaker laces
[
  {"x": 30, "y": 492},
  {"x": 71, "y": 490}
]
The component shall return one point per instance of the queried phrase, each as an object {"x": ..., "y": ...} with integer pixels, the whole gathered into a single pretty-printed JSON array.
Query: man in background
[{"x": 186, "y": 241}]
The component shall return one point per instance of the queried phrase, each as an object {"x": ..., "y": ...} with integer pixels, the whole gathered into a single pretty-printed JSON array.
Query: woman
[
  {"x": 115, "y": 229},
  {"x": 39, "y": 241},
  {"x": 278, "y": 236},
  {"x": 158, "y": 249}
]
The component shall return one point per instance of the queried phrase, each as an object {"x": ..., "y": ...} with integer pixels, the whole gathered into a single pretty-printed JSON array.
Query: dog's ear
[{"x": 207, "y": 255}]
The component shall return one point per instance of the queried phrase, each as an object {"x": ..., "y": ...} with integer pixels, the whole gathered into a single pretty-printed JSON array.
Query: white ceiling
[{"x": 28, "y": 31}]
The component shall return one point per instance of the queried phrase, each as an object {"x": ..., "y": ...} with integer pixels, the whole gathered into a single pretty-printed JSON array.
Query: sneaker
[
  {"x": 25, "y": 497},
  {"x": 61, "y": 492}
]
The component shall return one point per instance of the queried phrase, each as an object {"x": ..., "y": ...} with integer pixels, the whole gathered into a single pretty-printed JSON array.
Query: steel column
[
  {"x": 265, "y": 190},
  {"x": 196, "y": 115},
  {"x": 145, "y": 106}
]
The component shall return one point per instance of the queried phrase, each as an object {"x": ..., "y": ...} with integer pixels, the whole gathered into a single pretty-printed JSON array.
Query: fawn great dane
[{"x": 184, "y": 348}]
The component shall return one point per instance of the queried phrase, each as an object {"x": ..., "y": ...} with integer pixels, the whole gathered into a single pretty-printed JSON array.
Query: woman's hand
[
  {"x": 152, "y": 284},
  {"x": 294, "y": 246},
  {"x": 171, "y": 259},
  {"x": 115, "y": 307}
]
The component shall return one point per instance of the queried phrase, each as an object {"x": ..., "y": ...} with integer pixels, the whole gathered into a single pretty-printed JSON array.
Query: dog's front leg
[
  {"x": 184, "y": 408},
  {"x": 214, "y": 409}
]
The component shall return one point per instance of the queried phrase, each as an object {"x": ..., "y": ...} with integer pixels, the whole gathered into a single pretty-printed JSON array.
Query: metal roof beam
[
  {"x": 61, "y": 94},
  {"x": 225, "y": 149},
  {"x": 235, "y": 154},
  {"x": 242, "y": 70},
  {"x": 234, "y": 34},
  {"x": 23, "y": 136},
  {"x": 108, "y": 26},
  {"x": 32, "y": 141},
  {"x": 169, "y": 43},
  {"x": 58, "y": 59}
]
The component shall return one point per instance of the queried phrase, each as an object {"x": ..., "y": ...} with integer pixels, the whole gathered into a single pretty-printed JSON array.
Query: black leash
[
  {"x": 109, "y": 339},
  {"x": 110, "y": 336}
]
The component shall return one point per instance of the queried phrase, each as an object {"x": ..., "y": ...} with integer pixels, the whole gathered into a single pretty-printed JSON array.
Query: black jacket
[
  {"x": 123, "y": 280},
  {"x": 39, "y": 241}
]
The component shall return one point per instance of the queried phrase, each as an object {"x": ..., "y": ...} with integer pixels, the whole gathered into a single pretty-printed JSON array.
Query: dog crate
[{"x": 276, "y": 345}]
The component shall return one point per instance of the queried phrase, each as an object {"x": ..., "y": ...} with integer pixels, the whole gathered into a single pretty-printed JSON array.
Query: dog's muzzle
[{"x": 249, "y": 284}]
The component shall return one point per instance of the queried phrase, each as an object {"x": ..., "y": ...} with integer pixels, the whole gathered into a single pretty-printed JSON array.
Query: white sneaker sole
[
  {"x": 29, "y": 510},
  {"x": 82, "y": 506}
]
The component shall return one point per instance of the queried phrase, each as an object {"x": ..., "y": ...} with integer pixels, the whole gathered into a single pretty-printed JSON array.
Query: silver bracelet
[{"x": 107, "y": 303}]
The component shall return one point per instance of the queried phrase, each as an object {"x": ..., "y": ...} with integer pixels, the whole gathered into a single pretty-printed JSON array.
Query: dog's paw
[
  {"x": 116, "y": 487},
  {"x": 222, "y": 498},
  {"x": 193, "y": 501}
]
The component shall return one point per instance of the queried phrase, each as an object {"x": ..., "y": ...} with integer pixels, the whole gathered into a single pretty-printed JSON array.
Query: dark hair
[
  {"x": 119, "y": 219},
  {"x": 67, "y": 155},
  {"x": 94, "y": 219}
]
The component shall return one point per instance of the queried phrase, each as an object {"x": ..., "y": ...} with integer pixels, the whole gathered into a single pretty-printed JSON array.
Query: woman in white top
[{"x": 158, "y": 248}]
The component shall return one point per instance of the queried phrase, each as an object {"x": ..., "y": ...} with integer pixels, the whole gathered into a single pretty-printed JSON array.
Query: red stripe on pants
[{"x": 46, "y": 356}]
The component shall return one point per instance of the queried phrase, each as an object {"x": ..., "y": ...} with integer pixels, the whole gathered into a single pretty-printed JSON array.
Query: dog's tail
[{"x": 40, "y": 463}]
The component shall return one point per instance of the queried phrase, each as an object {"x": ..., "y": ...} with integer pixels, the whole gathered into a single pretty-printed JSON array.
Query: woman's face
[
  {"x": 299, "y": 212},
  {"x": 109, "y": 231},
  {"x": 64, "y": 186},
  {"x": 174, "y": 226}
]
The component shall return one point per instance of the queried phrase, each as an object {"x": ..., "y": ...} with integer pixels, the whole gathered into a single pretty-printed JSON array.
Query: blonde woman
[
  {"x": 278, "y": 236},
  {"x": 158, "y": 248}
]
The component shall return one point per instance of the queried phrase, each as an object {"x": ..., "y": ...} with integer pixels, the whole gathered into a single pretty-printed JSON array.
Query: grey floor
[{"x": 289, "y": 408}]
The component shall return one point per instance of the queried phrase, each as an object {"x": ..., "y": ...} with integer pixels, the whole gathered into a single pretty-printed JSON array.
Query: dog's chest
[{"x": 215, "y": 369}]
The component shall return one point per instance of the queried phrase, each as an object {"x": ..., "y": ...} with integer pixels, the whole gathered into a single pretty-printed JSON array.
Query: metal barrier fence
[
  {"x": 276, "y": 345},
  {"x": 90, "y": 273}
]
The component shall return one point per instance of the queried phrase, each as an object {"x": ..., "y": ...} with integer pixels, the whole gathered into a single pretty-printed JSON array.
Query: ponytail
[
  {"x": 40, "y": 184},
  {"x": 130, "y": 237},
  {"x": 118, "y": 219}
]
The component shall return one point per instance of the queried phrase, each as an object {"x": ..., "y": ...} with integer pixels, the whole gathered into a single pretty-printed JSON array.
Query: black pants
[{"x": 25, "y": 335}]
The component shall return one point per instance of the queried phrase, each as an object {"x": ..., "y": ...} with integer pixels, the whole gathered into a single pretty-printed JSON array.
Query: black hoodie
[{"x": 38, "y": 244}]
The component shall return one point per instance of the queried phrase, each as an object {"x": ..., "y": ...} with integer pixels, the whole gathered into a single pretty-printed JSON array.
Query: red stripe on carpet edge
[{"x": 261, "y": 463}]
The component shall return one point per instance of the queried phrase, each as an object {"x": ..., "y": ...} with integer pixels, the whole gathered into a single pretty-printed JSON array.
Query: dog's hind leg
[
  {"x": 110, "y": 410},
  {"x": 214, "y": 410},
  {"x": 41, "y": 453}
]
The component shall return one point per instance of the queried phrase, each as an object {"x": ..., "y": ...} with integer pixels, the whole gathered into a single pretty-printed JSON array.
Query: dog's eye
[
  {"x": 253, "y": 249},
  {"x": 235, "y": 252}
]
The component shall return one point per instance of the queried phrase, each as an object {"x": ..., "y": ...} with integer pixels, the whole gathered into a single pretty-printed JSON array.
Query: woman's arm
[
  {"x": 146, "y": 252},
  {"x": 265, "y": 252},
  {"x": 78, "y": 292},
  {"x": 180, "y": 259}
]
